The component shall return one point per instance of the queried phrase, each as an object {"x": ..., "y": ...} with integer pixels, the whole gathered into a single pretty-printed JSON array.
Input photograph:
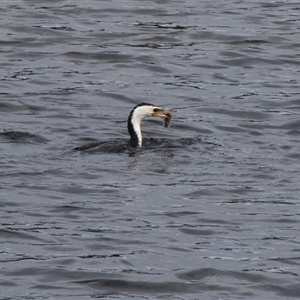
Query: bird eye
[{"x": 156, "y": 110}]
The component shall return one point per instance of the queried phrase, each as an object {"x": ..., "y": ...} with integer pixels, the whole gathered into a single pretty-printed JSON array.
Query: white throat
[{"x": 137, "y": 117}]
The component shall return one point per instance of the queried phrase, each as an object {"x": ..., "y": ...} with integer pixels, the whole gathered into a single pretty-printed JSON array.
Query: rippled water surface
[{"x": 215, "y": 218}]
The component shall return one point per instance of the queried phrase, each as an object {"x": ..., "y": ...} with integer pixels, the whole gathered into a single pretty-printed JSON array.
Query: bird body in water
[{"x": 136, "y": 116}]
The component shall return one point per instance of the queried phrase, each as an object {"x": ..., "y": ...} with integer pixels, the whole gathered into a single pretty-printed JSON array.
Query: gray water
[{"x": 216, "y": 219}]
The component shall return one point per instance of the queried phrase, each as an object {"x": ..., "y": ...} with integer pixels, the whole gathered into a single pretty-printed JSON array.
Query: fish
[{"x": 167, "y": 120}]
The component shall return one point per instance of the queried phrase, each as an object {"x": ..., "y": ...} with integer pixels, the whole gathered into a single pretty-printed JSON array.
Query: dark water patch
[
  {"x": 200, "y": 274},
  {"x": 156, "y": 69},
  {"x": 159, "y": 39},
  {"x": 211, "y": 191},
  {"x": 289, "y": 261},
  {"x": 150, "y": 287},
  {"x": 76, "y": 189},
  {"x": 283, "y": 220},
  {"x": 6, "y": 284},
  {"x": 6, "y": 203},
  {"x": 219, "y": 222},
  {"x": 293, "y": 125},
  {"x": 103, "y": 56},
  {"x": 68, "y": 209},
  {"x": 52, "y": 275},
  {"x": 22, "y": 137},
  {"x": 293, "y": 155},
  {"x": 181, "y": 214},
  {"x": 101, "y": 245},
  {"x": 293, "y": 132},
  {"x": 255, "y": 133},
  {"x": 196, "y": 231},
  {"x": 235, "y": 39},
  {"x": 248, "y": 61},
  {"x": 8, "y": 235},
  {"x": 9, "y": 107},
  {"x": 162, "y": 25},
  {"x": 249, "y": 41},
  {"x": 259, "y": 201}
]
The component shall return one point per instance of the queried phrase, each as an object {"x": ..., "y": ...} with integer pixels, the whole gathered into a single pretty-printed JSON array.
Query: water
[{"x": 217, "y": 219}]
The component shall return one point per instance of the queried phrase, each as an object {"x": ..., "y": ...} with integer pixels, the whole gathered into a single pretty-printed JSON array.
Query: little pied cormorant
[{"x": 138, "y": 113}]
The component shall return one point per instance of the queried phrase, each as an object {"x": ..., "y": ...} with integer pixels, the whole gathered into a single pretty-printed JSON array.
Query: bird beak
[
  {"x": 164, "y": 114},
  {"x": 161, "y": 113}
]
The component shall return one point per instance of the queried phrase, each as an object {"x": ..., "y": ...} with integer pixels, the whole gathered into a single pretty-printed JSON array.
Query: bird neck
[{"x": 134, "y": 130}]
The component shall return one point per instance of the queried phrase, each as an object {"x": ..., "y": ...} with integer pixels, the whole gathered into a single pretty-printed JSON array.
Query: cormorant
[{"x": 138, "y": 113}]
